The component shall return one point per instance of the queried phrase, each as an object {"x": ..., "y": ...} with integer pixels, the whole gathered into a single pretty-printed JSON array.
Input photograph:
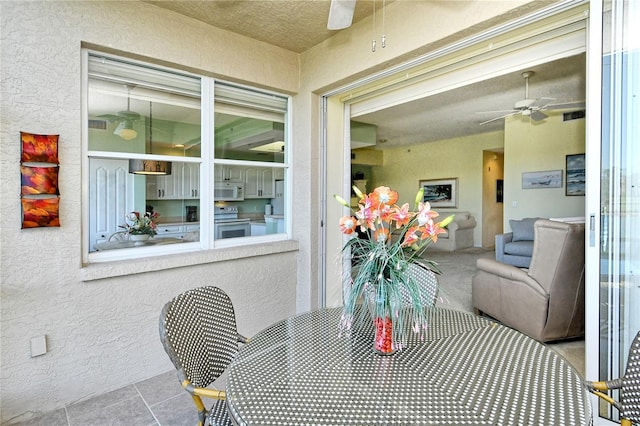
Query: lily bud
[
  {"x": 446, "y": 221},
  {"x": 340, "y": 200},
  {"x": 419, "y": 197},
  {"x": 358, "y": 192}
]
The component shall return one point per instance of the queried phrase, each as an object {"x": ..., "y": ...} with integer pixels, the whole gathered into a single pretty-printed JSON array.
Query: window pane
[
  {"x": 114, "y": 193},
  {"x": 131, "y": 115}
]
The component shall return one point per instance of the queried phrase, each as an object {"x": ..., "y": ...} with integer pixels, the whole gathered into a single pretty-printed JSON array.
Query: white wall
[
  {"x": 541, "y": 146},
  {"x": 103, "y": 334},
  {"x": 460, "y": 158}
]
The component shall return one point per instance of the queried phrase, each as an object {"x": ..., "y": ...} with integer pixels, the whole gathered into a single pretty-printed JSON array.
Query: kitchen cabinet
[
  {"x": 259, "y": 183},
  {"x": 278, "y": 174},
  {"x": 228, "y": 173},
  {"x": 178, "y": 230},
  {"x": 111, "y": 198},
  {"x": 191, "y": 181},
  {"x": 168, "y": 187},
  {"x": 182, "y": 184}
]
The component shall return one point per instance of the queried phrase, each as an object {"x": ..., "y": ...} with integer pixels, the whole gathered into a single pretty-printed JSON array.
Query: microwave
[{"x": 228, "y": 191}]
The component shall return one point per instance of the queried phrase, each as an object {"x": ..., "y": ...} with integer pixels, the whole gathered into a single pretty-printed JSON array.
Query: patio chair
[
  {"x": 629, "y": 385},
  {"x": 118, "y": 236},
  {"x": 198, "y": 332},
  {"x": 426, "y": 280}
]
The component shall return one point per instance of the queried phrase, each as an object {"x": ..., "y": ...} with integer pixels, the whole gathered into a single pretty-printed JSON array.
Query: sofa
[
  {"x": 545, "y": 301},
  {"x": 459, "y": 233},
  {"x": 516, "y": 247}
]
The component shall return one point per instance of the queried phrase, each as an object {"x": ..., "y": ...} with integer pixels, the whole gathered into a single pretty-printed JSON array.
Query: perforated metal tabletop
[{"x": 467, "y": 371}]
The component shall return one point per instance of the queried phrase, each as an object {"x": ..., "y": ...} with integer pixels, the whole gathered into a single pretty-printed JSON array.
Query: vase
[
  {"x": 139, "y": 239},
  {"x": 384, "y": 343}
]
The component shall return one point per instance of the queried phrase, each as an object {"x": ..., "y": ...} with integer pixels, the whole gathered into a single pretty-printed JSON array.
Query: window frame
[{"x": 207, "y": 174}]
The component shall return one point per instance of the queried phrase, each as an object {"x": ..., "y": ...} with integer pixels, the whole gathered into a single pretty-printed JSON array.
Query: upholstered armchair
[{"x": 545, "y": 301}]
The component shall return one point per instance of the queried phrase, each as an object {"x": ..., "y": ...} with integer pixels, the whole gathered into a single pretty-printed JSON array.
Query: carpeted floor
[{"x": 455, "y": 293}]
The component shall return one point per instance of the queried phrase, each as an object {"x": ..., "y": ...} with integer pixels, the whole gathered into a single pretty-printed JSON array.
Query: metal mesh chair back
[
  {"x": 630, "y": 391},
  {"x": 198, "y": 331},
  {"x": 427, "y": 282}
]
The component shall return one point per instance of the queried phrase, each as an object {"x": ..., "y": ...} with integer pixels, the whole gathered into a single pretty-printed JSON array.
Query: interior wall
[
  {"x": 492, "y": 196},
  {"x": 103, "y": 334},
  {"x": 460, "y": 158},
  {"x": 540, "y": 146}
]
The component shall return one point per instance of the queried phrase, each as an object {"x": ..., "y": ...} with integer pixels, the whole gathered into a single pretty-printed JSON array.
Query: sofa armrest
[
  {"x": 509, "y": 272},
  {"x": 501, "y": 240}
]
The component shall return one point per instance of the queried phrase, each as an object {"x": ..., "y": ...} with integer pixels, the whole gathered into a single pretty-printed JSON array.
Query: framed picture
[
  {"x": 440, "y": 192},
  {"x": 547, "y": 179},
  {"x": 575, "y": 177},
  {"x": 499, "y": 190}
]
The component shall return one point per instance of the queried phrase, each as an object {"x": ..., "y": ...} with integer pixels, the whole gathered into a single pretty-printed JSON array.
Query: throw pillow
[{"x": 522, "y": 229}]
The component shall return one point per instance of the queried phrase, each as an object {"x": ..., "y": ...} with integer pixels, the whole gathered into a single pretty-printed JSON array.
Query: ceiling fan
[
  {"x": 125, "y": 119},
  {"x": 532, "y": 107},
  {"x": 340, "y": 14}
]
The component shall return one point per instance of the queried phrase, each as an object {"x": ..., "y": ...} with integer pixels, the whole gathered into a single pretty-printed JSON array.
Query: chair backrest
[
  {"x": 630, "y": 392},
  {"x": 198, "y": 331},
  {"x": 119, "y": 236},
  {"x": 427, "y": 282},
  {"x": 557, "y": 265}
]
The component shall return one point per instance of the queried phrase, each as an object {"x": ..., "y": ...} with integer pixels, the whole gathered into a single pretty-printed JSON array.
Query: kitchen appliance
[
  {"x": 228, "y": 191},
  {"x": 227, "y": 225},
  {"x": 192, "y": 213},
  {"x": 277, "y": 203}
]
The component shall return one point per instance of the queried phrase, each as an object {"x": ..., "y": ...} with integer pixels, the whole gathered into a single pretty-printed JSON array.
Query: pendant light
[
  {"x": 125, "y": 129},
  {"x": 150, "y": 167}
]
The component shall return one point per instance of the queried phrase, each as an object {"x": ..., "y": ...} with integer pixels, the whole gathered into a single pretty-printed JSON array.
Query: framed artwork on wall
[
  {"x": 39, "y": 148},
  {"x": 575, "y": 175},
  {"x": 546, "y": 179},
  {"x": 440, "y": 192}
]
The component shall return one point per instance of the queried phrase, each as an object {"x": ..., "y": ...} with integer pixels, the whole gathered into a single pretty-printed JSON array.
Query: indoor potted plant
[
  {"x": 140, "y": 227},
  {"x": 384, "y": 239}
]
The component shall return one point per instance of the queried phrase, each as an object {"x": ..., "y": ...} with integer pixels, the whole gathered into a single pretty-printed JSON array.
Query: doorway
[{"x": 492, "y": 196}]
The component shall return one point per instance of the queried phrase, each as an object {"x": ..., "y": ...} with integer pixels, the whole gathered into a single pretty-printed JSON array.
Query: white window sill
[{"x": 98, "y": 271}]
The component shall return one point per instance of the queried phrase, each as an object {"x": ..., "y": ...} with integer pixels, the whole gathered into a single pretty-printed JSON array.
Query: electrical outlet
[
  {"x": 38, "y": 346},
  {"x": 514, "y": 204}
]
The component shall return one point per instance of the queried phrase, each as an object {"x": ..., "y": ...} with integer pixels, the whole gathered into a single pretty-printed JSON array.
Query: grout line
[{"x": 146, "y": 404}]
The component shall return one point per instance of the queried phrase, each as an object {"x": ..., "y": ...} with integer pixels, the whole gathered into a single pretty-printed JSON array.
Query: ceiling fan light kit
[{"x": 125, "y": 130}]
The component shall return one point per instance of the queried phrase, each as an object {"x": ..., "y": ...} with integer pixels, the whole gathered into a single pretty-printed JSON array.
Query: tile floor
[{"x": 156, "y": 401}]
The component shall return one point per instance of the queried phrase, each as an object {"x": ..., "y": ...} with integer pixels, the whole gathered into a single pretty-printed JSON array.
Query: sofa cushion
[
  {"x": 522, "y": 229},
  {"x": 519, "y": 248}
]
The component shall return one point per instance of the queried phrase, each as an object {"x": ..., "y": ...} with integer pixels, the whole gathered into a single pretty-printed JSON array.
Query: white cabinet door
[
  {"x": 169, "y": 187},
  {"x": 229, "y": 173},
  {"x": 191, "y": 181},
  {"x": 259, "y": 183},
  {"x": 111, "y": 198}
]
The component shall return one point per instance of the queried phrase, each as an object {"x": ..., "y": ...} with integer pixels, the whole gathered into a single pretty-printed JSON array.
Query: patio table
[{"x": 467, "y": 371}]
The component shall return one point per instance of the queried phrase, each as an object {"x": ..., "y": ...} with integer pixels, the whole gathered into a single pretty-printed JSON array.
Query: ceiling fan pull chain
[
  {"x": 373, "y": 33},
  {"x": 384, "y": 37}
]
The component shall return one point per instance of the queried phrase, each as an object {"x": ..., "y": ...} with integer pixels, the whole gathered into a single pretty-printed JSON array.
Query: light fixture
[
  {"x": 150, "y": 167},
  {"x": 125, "y": 130},
  {"x": 277, "y": 146}
]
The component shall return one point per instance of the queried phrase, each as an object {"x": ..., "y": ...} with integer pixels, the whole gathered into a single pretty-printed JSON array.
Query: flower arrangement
[
  {"x": 137, "y": 224},
  {"x": 390, "y": 238}
]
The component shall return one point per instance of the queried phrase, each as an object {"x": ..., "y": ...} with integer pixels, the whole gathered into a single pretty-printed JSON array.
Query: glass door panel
[{"x": 619, "y": 316}]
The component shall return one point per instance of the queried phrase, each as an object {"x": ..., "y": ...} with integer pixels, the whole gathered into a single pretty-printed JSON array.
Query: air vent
[
  {"x": 98, "y": 124},
  {"x": 574, "y": 115}
]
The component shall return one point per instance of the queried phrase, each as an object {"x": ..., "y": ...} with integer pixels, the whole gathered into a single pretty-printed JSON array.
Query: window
[{"x": 206, "y": 157}]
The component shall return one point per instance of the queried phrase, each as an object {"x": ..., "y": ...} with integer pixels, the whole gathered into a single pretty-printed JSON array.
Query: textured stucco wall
[{"x": 103, "y": 334}]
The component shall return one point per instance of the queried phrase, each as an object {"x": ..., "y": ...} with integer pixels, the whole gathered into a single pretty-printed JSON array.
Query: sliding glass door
[{"x": 619, "y": 242}]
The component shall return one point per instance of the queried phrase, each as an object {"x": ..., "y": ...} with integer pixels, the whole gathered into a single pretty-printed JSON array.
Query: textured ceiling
[{"x": 295, "y": 25}]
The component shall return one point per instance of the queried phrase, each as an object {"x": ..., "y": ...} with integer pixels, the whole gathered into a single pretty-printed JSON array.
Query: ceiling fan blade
[
  {"x": 110, "y": 117},
  {"x": 340, "y": 14},
  {"x": 500, "y": 111},
  {"x": 567, "y": 105},
  {"x": 536, "y": 115},
  {"x": 499, "y": 118}
]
